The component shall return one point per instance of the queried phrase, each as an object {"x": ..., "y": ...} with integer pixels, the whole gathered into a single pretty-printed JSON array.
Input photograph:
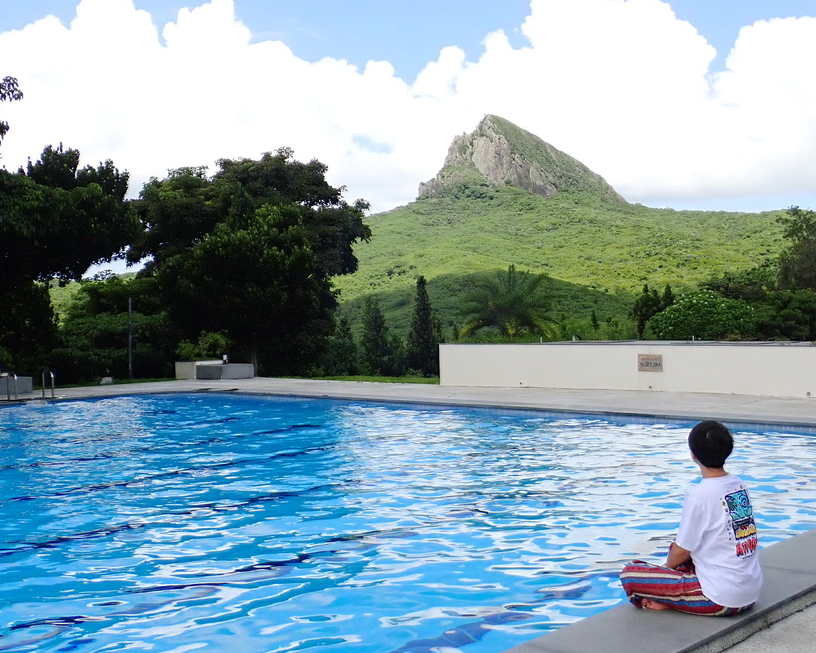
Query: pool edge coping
[
  {"x": 730, "y": 408},
  {"x": 623, "y": 628}
]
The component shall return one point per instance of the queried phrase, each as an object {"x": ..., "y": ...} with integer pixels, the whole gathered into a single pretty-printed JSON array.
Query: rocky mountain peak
[{"x": 502, "y": 154}]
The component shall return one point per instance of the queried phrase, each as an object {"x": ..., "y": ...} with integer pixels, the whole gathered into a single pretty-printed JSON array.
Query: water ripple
[{"x": 180, "y": 522}]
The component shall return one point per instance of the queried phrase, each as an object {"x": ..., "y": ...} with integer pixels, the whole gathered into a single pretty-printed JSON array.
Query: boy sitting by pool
[{"x": 713, "y": 568}]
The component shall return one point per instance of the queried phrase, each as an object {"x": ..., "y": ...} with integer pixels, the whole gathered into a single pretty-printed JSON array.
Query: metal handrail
[{"x": 51, "y": 374}]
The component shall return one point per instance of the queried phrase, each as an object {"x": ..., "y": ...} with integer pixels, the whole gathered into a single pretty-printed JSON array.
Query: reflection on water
[{"x": 181, "y": 523}]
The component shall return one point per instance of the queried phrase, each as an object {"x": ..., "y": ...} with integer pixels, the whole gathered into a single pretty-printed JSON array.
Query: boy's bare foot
[{"x": 649, "y": 604}]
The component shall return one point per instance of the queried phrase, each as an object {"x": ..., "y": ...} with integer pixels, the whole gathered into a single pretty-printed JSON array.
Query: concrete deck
[
  {"x": 743, "y": 408},
  {"x": 789, "y": 567}
]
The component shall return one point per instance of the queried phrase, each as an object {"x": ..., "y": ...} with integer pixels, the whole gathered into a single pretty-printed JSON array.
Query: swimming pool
[{"x": 259, "y": 524}]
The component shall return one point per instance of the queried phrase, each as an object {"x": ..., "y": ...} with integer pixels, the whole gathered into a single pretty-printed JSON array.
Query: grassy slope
[{"x": 599, "y": 252}]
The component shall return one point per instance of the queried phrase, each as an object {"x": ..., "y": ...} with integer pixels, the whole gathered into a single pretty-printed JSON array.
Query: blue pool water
[{"x": 178, "y": 523}]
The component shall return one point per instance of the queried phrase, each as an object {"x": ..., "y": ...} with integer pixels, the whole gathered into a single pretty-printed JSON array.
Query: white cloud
[{"x": 623, "y": 86}]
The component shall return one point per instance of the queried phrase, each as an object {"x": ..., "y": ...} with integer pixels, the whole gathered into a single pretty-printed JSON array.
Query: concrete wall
[
  {"x": 187, "y": 369},
  {"x": 772, "y": 369},
  {"x": 225, "y": 371},
  {"x": 25, "y": 385}
]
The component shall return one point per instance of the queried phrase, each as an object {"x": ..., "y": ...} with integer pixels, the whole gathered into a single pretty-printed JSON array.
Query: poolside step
[{"x": 789, "y": 571}]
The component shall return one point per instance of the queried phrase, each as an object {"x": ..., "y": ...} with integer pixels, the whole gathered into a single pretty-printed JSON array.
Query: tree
[
  {"x": 703, "y": 315},
  {"x": 752, "y": 284},
  {"x": 250, "y": 253},
  {"x": 787, "y": 315},
  {"x": 180, "y": 211},
  {"x": 342, "y": 356},
  {"x": 258, "y": 286},
  {"x": 375, "y": 349},
  {"x": 511, "y": 302},
  {"x": 9, "y": 92},
  {"x": 175, "y": 214},
  {"x": 797, "y": 262},
  {"x": 208, "y": 345},
  {"x": 55, "y": 221},
  {"x": 780, "y": 314},
  {"x": 667, "y": 298},
  {"x": 423, "y": 343},
  {"x": 333, "y": 225},
  {"x": 29, "y": 327},
  {"x": 95, "y": 330},
  {"x": 648, "y": 304}
]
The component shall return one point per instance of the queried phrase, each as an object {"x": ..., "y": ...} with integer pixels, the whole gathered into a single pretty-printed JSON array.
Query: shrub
[{"x": 703, "y": 315}]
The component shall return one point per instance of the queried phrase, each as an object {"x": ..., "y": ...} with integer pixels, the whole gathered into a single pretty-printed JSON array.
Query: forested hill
[{"x": 496, "y": 202}]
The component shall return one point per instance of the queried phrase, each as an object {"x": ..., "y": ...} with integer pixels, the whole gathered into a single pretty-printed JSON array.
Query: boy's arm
[{"x": 677, "y": 556}]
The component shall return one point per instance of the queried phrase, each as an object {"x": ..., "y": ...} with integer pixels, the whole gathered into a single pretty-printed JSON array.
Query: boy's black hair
[{"x": 711, "y": 443}]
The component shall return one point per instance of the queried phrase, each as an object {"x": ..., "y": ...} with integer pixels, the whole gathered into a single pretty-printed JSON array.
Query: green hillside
[
  {"x": 598, "y": 251},
  {"x": 504, "y": 196}
]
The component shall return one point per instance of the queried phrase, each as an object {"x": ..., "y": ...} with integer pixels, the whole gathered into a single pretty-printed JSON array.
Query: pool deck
[{"x": 789, "y": 567}]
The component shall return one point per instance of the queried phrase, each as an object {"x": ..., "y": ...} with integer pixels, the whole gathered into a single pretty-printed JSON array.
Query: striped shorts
[{"x": 678, "y": 588}]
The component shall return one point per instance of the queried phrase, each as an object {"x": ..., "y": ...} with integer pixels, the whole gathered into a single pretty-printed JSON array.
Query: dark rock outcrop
[{"x": 500, "y": 153}]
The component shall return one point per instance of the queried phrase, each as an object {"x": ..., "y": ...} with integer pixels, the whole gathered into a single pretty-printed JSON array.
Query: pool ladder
[{"x": 49, "y": 373}]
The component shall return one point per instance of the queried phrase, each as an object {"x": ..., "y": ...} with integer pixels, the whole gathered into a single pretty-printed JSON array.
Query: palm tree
[{"x": 511, "y": 302}]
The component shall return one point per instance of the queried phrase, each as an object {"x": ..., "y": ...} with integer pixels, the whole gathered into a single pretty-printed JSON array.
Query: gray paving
[
  {"x": 745, "y": 408},
  {"x": 789, "y": 566}
]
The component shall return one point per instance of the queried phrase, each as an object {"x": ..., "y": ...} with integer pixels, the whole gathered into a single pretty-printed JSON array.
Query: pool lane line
[{"x": 164, "y": 447}]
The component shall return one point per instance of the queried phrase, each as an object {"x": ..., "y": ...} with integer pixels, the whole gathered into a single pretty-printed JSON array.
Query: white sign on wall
[{"x": 650, "y": 362}]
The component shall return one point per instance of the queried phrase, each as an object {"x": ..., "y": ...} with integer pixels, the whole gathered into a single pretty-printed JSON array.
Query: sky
[{"x": 704, "y": 104}]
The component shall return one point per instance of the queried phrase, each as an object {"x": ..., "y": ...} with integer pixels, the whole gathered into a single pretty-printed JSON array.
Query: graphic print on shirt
[{"x": 742, "y": 521}]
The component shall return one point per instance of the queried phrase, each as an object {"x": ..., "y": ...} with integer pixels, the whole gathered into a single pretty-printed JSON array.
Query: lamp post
[{"x": 130, "y": 338}]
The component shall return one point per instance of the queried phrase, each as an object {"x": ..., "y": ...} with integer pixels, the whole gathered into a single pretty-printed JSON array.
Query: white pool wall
[{"x": 758, "y": 368}]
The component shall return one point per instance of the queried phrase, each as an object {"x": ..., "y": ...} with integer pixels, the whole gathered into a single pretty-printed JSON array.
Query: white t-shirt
[{"x": 717, "y": 527}]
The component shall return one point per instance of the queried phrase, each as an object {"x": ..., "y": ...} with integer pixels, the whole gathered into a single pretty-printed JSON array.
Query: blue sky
[{"x": 652, "y": 103}]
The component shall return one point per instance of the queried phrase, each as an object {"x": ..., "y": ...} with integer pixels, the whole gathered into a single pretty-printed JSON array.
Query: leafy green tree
[
  {"x": 95, "y": 329},
  {"x": 176, "y": 214},
  {"x": 423, "y": 342},
  {"x": 797, "y": 262},
  {"x": 781, "y": 314},
  {"x": 251, "y": 252},
  {"x": 208, "y": 345},
  {"x": 29, "y": 327},
  {"x": 787, "y": 315},
  {"x": 9, "y": 92},
  {"x": 333, "y": 225},
  {"x": 55, "y": 221},
  {"x": 511, "y": 302},
  {"x": 258, "y": 285},
  {"x": 648, "y": 304},
  {"x": 752, "y": 284},
  {"x": 703, "y": 315}
]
